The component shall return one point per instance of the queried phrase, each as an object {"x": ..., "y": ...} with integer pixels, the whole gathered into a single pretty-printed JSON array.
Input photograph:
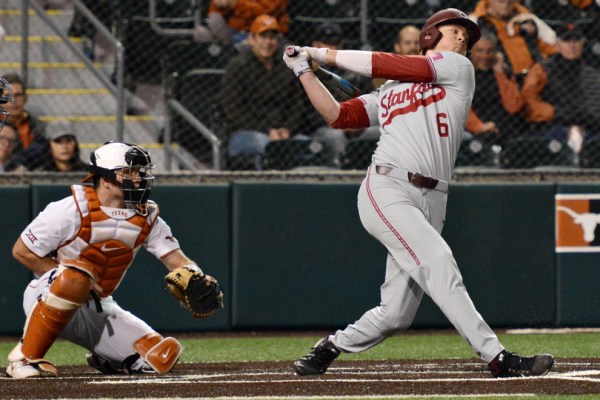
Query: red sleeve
[
  {"x": 353, "y": 115},
  {"x": 402, "y": 68}
]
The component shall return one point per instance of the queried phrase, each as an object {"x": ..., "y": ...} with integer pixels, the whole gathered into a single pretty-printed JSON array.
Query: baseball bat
[{"x": 338, "y": 85}]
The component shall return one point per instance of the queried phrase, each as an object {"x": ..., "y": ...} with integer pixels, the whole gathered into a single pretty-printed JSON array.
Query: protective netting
[{"x": 192, "y": 82}]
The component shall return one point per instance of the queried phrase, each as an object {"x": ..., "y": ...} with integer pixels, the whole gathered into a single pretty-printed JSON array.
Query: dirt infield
[{"x": 345, "y": 378}]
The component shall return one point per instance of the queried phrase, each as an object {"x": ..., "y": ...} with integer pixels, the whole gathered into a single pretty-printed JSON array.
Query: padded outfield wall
[{"x": 295, "y": 256}]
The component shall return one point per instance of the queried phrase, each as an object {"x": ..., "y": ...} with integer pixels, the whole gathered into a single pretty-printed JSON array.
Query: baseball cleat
[
  {"x": 318, "y": 360},
  {"x": 18, "y": 367},
  {"x": 507, "y": 365},
  {"x": 21, "y": 369}
]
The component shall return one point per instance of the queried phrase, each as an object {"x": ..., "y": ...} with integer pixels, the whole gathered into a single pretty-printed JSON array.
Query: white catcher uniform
[
  {"x": 108, "y": 330},
  {"x": 422, "y": 126}
]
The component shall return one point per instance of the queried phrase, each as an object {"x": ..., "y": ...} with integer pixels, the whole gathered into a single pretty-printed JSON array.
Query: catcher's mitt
[{"x": 200, "y": 294}]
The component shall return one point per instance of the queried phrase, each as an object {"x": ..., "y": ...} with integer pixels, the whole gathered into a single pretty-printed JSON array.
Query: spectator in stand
[
  {"x": 561, "y": 94},
  {"x": 524, "y": 38},
  {"x": 62, "y": 154},
  {"x": 8, "y": 142},
  {"x": 497, "y": 103},
  {"x": 59, "y": 153},
  {"x": 407, "y": 41},
  {"x": 585, "y": 13},
  {"x": 29, "y": 128},
  {"x": 258, "y": 94},
  {"x": 229, "y": 21},
  {"x": 330, "y": 35}
]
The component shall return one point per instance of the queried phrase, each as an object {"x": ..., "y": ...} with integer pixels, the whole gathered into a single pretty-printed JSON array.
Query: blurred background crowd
[{"x": 203, "y": 85}]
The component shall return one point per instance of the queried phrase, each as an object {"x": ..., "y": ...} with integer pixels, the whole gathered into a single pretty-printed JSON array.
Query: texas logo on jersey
[{"x": 577, "y": 223}]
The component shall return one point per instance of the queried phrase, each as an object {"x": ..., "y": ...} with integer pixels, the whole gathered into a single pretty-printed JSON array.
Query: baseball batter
[
  {"x": 422, "y": 110},
  {"x": 95, "y": 234}
]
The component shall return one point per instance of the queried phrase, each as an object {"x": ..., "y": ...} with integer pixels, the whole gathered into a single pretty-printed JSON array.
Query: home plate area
[{"x": 448, "y": 378}]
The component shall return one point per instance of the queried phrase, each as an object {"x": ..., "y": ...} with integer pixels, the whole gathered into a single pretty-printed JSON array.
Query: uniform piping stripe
[
  {"x": 432, "y": 69},
  {"x": 387, "y": 222}
]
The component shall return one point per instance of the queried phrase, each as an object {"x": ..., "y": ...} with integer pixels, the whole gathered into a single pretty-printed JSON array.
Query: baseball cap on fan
[
  {"x": 59, "y": 128},
  {"x": 264, "y": 23},
  {"x": 569, "y": 32},
  {"x": 329, "y": 34}
]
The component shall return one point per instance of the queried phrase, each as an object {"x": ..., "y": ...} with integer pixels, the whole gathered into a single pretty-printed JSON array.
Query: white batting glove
[
  {"x": 297, "y": 60},
  {"x": 317, "y": 54}
]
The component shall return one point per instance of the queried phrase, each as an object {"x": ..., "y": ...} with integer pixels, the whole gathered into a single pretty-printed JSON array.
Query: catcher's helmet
[
  {"x": 430, "y": 34},
  {"x": 6, "y": 95},
  {"x": 131, "y": 162}
]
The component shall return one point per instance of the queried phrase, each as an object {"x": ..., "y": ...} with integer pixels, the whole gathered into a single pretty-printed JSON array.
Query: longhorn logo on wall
[{"x": 577, "y": 223}]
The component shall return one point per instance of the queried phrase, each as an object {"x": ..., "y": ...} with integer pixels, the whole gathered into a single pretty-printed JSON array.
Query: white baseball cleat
[
  {"x": 21, "y": 369},
  {"x": 18, "y": 366}
]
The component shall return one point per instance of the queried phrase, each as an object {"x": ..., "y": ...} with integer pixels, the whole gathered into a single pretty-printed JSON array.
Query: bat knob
[{"x": 291, "y": 51}]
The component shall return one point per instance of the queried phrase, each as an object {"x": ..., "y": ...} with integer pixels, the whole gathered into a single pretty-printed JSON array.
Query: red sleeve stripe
[
  {"x": 353, "y": 115},
  {"x": 402, "y": 68}
]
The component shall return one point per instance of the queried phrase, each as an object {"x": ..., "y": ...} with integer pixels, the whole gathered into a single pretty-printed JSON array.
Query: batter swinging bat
[{"x": 340, "y": 86}]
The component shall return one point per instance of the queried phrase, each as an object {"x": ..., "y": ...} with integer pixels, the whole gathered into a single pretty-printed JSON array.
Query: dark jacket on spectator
[
  {"x": 563, "y": 92},
  {"x": 256, "y": 98}
]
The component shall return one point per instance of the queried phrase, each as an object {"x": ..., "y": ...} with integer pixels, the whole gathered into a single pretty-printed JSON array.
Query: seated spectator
[
  {"x": 63, "y": 153},
  {"x": 229, "y": 21},
  {"x": 8, "y": 142},
  {"x": 331, "y": 36},
  {"x": 561, "y": 93},
  {"x": 60, "y": 153},
  {"x": 497, "y": 103},
  {"x": 523, "y": 37},
  {"x": 584, "y": 13},
  {"x": 259, "y": 93},
  {"x": 29, "y": 128},
  {"x": 407, "y": 43}
]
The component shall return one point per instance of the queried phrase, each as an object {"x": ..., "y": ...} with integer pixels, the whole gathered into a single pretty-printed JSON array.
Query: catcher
[{"x": 79, "y": 249}]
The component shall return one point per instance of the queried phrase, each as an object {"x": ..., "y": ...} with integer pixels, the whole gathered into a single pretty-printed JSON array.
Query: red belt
[{"x": 415, "y": 179}]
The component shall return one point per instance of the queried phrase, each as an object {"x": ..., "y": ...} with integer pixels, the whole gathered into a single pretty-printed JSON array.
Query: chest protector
[{"x": 106, "y": 243}]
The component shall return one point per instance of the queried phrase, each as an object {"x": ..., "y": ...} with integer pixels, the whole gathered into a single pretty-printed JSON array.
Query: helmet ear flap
[{"x": 429, "y": 38}]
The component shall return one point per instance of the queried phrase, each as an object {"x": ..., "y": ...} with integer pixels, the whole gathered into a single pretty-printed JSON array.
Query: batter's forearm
[{"x": 320, "y": 97}]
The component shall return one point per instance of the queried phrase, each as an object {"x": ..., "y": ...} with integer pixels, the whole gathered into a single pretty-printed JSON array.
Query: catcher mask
[
  {"x": 6, "y": 95},
  {"x": 430, "y": 34},
  {"x": 133, "y": 164}
]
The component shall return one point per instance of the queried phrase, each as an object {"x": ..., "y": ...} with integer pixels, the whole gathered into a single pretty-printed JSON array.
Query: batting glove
[
  {"x": 297, "y": 60},
  {"x": 317, "y": 54}
]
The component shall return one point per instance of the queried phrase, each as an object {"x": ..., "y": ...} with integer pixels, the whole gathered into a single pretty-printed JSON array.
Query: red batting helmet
[{"x": 430, "y": 34}]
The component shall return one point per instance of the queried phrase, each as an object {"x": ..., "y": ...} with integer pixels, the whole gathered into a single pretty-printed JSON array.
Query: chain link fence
[{"x": 184, "y": 102}]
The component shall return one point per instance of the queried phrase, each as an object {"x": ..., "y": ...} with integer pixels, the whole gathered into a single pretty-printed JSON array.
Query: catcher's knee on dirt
[
  {"x": 53, "y": 312},
  {"x": 160, "y": 353}
]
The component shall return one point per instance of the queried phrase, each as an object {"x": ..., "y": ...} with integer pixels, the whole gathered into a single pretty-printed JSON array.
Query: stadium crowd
[{"x": 536, "y": 60}]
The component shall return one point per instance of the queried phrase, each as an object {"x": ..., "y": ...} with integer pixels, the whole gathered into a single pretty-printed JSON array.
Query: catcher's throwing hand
[{"x": 200, "y": 294}]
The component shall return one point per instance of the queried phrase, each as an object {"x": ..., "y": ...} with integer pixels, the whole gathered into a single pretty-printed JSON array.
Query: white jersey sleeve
[
  {"x": 55, "y": 225},
  {"x": 160, "y": 240}
]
